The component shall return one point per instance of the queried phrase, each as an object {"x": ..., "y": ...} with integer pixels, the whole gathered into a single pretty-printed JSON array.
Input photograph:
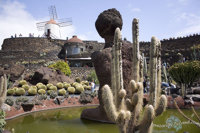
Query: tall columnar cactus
[
  {"x": 155, "y": 70},
  {"x": 164, "y": 70},
  {"x": 3, "y": 90},
  {"x": 136, "y": 52},
  {"x": 125, "y": 109},
  {"x": 145, "y": 65}
]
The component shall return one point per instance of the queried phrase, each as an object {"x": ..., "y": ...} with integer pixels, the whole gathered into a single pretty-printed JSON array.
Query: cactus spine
[
  {"x": 3, "y": 90},
  {"x": 125, "y": 110}
]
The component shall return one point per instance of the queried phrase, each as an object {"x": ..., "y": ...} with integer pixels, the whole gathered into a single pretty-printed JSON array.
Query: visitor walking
[{"x": 92, "y": 85}]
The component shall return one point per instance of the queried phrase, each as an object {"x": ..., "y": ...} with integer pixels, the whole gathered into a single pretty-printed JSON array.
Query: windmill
[{"x": 52, "y": 27}]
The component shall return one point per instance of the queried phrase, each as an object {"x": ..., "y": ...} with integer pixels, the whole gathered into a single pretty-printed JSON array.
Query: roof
[
  {"x": 51, "y": 21},
  {"x": 75, "y": 39}
]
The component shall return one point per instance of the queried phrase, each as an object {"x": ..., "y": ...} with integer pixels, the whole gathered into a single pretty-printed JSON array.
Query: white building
[{"x": 52, "y": 29}]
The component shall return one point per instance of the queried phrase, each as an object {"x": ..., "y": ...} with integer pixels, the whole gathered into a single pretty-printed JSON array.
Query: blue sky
[{"x": 161, "y": 18}]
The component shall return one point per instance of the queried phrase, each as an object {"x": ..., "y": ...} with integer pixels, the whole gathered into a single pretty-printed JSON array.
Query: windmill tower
[{"x": 52, "y": 27}]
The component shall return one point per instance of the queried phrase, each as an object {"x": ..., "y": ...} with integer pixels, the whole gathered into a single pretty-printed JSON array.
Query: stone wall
[
  {"x": 31, "y": 44},
  {"x": 171, "y": 47}
]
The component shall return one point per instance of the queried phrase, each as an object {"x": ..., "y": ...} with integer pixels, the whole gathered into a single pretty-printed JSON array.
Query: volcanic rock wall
[
  {"x": 29, "y": 50},
  {"x": 171, "y": 47}
]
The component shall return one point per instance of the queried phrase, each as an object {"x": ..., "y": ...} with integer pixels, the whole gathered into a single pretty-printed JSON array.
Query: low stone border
[{"x": 40, "y": 110}]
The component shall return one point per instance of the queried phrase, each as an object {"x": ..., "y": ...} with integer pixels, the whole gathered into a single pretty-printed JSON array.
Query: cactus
[
  {"x": 186, "y": 117},
  {"x": 41, "y": 86},
  {"x": 71, "y": 90},
  {"x": 145, "y": 65},
  {"x": 42, "y": 91},
  {"x": 3, "y": 89},
  {"x": 10, "y": 91},
  {"x": 62, "y": 92},
  {"x": 126, "y": 110},
  {"x": 59, "y": 85},
  {"x": 26, "y": 87},
  {"x": 22, "y": 82},
  {"x": 20, "y": 91},
  {"x": 164, "y": 70},
  {"x": 49, "y": 85},
  {"x": 66, "y": 85},
  {"x": 32, "y": 91},
  {"x": 54, "y": 88},
  {"x": 79, "y": 88}
]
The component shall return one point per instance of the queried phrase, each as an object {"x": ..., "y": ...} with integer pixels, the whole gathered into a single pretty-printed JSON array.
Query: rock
[
  {"x": 106, "y": 24},
  {"x": 196, "y": 90},
  {"x": 5, "y": 107},
  {"x": 27, "y": 106},
  {"x": 48, "y": 75},
  {"x": 102, "y": 60},
  {"x": 196, "y": 98},
  {"x": 179, "y": 100},
  {"x": 85, "y": 98},
  {"x": 57, "y": 101},
  {"x": 15, "y": 71}
]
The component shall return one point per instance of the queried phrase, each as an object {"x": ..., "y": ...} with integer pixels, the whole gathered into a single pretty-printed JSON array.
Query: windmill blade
[
  {"x": 40, "y": 25},
  {"x": 64, "y": 22}
]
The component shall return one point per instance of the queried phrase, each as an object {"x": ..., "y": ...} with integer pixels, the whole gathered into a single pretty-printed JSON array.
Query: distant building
[{"x": 74, "y": 46}]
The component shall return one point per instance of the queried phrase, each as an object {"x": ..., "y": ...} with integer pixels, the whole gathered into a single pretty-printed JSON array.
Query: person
[{"x": 92, "y": 85}]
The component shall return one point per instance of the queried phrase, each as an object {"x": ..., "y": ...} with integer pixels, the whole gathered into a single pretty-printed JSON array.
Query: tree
[{"x": 185, "y": 74}]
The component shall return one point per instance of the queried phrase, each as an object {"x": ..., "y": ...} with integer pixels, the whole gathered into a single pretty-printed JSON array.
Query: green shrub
[
  {"x": 59, "y": 85},
  {"x": 78, "y": 80},
  {"x": 32, "y": 91},
  {"x": 62, "y": 66},
  {"x": 186, "y": 72},
  {"x": 9, "y": 101},
  {"x": 71, "y": 90},
  {"x": 22, "y": 82},
  {"x": 20, "y": 91},
  {"x": 62, "y": 92},
  {"x": 53, "y": 88},
  {"x": 11, "y": 91},
  {"x": 21, "y": 100},
  {"x": 42, "y": 97},
  {"x": 50, "y": 91},
  {"x": 26, "y": 87},
  {"x": 53, "y": 94},
  {"x": 2, "y": 120},
  {"x": 41, "y": 91},
  {"x": 66, "y": 85},
  {"x": 93, "y": 77}
]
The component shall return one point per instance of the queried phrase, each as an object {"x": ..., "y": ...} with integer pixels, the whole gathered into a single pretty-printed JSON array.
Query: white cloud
[
  {"x": 135, "y": 9},
  {"x": 191, "y": 23},
  {"x": 15, "y": 19}
]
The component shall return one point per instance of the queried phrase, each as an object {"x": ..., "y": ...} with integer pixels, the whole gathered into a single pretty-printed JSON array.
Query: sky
[{"x": 160, "y": 18}]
